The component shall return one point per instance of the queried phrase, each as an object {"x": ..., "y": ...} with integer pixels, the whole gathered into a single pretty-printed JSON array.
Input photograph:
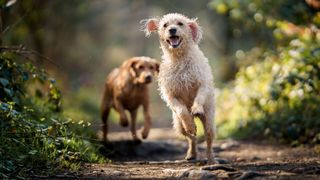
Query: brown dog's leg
[
  {"x": 105, "y": 109},
  {"x": 147, "y": 119},
  {"x": 105, "y": 123},
  {"x": 123, "y": 117},
  {"x": 133, "y": 114}
]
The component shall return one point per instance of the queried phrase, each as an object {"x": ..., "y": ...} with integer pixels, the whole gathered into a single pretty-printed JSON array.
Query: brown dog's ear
[
  {"x": 131, "y": 67},
  {"x": 157, "y": 65},
  {"x": 128, "y": 65}
]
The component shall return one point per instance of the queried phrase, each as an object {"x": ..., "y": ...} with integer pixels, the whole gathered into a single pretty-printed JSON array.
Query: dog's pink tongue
[{"x": 174, "y": 41}]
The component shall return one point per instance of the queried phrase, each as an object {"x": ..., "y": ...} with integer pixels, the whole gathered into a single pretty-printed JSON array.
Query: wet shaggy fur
[
  {"x": 126, "y": 88},
  {"x": 185, "y": 78}
]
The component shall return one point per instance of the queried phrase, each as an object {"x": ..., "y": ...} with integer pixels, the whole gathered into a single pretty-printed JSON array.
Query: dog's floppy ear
[
  {"x": 196, "y": 30},
  {"x": 149, "y": 26},
  {"x": 132, "y": 70},
  {"x": 157, "y": 66},
  {"x": 129, "y": 66}
]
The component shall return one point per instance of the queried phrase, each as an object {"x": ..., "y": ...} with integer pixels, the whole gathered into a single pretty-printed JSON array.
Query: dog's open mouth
[{"x": 174, "y": 41}]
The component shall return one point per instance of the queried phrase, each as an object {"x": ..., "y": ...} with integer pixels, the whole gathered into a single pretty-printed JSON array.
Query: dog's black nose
[
  {"x": 173, "y": 31},
  {"x": 148, "y": 78}
]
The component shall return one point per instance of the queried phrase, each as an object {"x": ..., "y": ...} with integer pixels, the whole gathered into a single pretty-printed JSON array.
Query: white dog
[{"x": 185, "y": 77}]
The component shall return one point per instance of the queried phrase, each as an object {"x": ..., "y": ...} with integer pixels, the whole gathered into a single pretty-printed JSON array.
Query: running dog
[
  {"x": 126, "y": 88},
  {"x": 185, "y": 79}
]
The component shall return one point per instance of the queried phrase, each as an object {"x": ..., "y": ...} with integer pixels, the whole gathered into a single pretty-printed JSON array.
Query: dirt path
[{"x": 160, "y": 156}]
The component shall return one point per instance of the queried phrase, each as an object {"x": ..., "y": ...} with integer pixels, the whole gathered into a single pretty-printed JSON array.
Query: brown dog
[{"x": 126, "y": 89}]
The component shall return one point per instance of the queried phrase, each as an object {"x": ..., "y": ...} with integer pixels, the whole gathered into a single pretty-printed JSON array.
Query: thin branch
[
  {"x": 21, "y": 50},
  {"x": 14, "y": 24},
  {"x": 9, "y": 27}
]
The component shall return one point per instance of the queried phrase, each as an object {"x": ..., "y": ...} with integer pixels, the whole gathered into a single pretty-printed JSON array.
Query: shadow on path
[{"x": 128, "y": 150}]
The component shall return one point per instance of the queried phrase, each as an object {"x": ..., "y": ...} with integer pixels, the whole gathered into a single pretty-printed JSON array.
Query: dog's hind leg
[
  {"x": 191, "y": 136},
  {"x": 105, "y": 110},
  {"x": 209, "y": 129}
]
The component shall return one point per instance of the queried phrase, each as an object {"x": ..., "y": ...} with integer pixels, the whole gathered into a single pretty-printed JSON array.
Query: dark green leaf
[
  {"x": 4, "y": 82},
  {"x": 9, "y": 92}
]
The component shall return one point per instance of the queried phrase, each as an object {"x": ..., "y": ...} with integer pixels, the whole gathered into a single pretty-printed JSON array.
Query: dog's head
[
  {"x": 142, "y": 69},
  {"x": 175, "y": 30}
]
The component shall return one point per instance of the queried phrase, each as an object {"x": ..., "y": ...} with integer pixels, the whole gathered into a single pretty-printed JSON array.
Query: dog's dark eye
[
  {"x": 151, "y": 67},
  {"x": 180, "y": 23},
  {"x": 165, "y": 25},
  {"x": 141, "y": 67}
]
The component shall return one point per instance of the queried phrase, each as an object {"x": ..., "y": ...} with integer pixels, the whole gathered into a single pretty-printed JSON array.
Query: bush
[
  {"x": 276, "y": 92},
  {"x": 278, "y": 96},
  {"x": 35, "y": 137}
]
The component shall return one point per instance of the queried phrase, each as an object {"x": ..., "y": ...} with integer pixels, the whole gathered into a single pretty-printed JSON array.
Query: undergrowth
[{"x": 35, "y": 137}]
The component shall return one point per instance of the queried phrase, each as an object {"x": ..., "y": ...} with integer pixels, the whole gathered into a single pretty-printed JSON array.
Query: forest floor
[{"x": 160, "y": 157}]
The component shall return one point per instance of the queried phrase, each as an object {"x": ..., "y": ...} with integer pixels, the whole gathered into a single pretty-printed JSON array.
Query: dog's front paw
[
  {"x": 197, "y": 110},
  {"x": 190, "y": 157},
  {"x": 145, "y": 133}
]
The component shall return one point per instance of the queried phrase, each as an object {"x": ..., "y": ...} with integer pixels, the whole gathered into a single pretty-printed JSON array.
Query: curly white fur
[{"x": 185, "y": 76}]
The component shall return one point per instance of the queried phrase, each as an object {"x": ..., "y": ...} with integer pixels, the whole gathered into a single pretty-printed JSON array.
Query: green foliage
[
  {"x": 264, "y": 20},
  {"x": 250, "y": 14},
  {"x": 276, "y": 92},
  {"x": 34, "y": 134},
  {"x": 277, "y": 97},
  {"x": 83, "y": 106}
]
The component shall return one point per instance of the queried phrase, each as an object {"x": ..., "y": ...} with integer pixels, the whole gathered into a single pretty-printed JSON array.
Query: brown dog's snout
[{"x": 148, "y": 78}]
